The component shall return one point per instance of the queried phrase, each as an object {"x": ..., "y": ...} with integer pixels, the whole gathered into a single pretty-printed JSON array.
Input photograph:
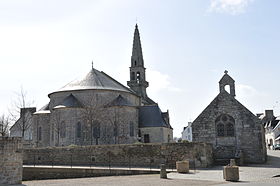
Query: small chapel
[
  {"x": 98, "y": 109},
  {"x": 233, "y": 130}
]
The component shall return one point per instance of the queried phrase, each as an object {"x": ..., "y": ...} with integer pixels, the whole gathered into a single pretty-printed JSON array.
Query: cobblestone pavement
[{"x": 249, "y": 175}]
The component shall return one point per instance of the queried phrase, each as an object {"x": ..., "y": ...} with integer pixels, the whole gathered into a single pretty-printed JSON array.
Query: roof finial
[
  {"x": 92, "y": 64},
  {"x": 226, "y": 71}
]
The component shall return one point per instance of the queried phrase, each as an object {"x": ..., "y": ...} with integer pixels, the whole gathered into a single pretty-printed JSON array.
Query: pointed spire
[
  {"x": 137, "y": 49},
  {"x": 137, "y": 81}
]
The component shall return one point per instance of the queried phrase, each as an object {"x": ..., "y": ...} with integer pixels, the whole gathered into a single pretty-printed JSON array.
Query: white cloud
[
  {"x": 159, "y": 82},
  {"x": 233, "y": 7},
  {"x": 246, "y": 91}
]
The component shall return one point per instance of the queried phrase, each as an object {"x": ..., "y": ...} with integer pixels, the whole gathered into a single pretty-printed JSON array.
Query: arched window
[
  {"x": 96, "y": 130},
  {"x": 225, "y": 125},
  {"x": 230, "y": 129},
  {"x": 135, "y": 63},
  {"x": 132, "y": 75},
  {"x": 40, "y": 133},
  {"x": 115, "y": 130},
  {"x": 227, "y": 88},
  {"x": 138, "y": 77},
  {"x": 131, "y": 129},
  {"x": 62, "y": 130},
  {"x": 220, "y": 130},
  {"x": 78, "y": 130}
]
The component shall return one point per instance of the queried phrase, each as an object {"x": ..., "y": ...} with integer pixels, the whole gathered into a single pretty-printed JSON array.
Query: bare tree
[
  {"x": 57, "y": 126},
  {"x": 92, "y": 114},
  {"x": 20, "y": 111},
  {"x": 115, "y": 120},
  {"x": 4, "y": 125}
]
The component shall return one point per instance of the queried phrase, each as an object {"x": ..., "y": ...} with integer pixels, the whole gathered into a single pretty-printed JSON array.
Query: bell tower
[
  {"x": 137, "y": 80},
  {"x": 227, "y": 80}
]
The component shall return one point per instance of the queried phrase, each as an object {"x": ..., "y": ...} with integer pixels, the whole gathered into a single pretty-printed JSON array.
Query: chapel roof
[
  {"x": 151, "y": 116},
  {"x": 95, "y": 80}
]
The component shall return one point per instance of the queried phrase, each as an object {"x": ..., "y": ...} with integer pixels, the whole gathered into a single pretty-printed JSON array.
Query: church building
[
  {"x": 97, "y": 109},
  {"x": 231, "y": 128}
]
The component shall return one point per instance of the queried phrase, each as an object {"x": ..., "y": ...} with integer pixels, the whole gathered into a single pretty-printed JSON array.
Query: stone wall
[
  {"x": 136, "y": 155},
  {"x": 10, "y": 160},
  {"x": 40, "y": 173}
]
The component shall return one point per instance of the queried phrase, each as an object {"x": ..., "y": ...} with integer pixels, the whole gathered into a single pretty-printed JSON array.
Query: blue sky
[{"x": 187, "y": 45}]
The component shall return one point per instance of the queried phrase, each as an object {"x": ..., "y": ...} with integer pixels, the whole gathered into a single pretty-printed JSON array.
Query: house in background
[
  {"x": 23, "y": 126},
  {"x": 187, "y": 132},
  {"x": 271, "y": 125}
]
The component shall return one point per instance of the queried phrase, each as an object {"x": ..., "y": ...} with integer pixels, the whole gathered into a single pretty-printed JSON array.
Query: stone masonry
[
  {"x": 233, "y": 130},
  {"x": 10, "y": 160},
  {"x": 136, "y": 155}
]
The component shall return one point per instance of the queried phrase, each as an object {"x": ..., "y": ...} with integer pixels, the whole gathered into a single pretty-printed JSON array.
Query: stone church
[
  {"x": 230, "y": 127},
  {"x": 97, "y": 109}
]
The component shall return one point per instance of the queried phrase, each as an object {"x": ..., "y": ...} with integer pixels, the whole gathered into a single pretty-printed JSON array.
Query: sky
[{"x": 187, "y": 45}]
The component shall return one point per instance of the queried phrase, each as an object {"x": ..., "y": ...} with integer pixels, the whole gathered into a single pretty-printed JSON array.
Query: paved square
[{"x": 249, "y": 175}]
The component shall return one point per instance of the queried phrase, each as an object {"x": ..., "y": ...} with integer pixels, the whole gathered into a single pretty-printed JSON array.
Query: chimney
[
  {"x": 25, "y": 110},
  {"x": 269, "y": 114}
]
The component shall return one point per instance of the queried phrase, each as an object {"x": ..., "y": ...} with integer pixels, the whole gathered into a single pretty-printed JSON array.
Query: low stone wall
[
  {"x": 133, "y": 155},
  {"x": 10, "y": 160},
  {"x": 40, "y": 173}
]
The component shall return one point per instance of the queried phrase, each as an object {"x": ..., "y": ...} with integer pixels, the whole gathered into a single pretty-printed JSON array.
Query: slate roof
[
  {"x": 119, "y": 101},
  {"x": 69, "y": 102},
  {"x": 44, "y": 110},
  {"x": 277, "y": 138},
  {"x": 151, "y": 116},
  {"x": 95, "y": 80},
  {"x": 148, "y": 101},
  {"x": 45, "y": 107},
  {"x": 272, "y": 124}
]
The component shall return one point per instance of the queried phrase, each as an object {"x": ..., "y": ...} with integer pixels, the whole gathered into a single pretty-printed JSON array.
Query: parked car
[{"x": 276, "y": 147}]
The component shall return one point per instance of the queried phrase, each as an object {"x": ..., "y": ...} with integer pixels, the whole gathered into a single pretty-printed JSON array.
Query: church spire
[
  {"x": 137, "y": 56},
  {"x": 137, "y": 81}
]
